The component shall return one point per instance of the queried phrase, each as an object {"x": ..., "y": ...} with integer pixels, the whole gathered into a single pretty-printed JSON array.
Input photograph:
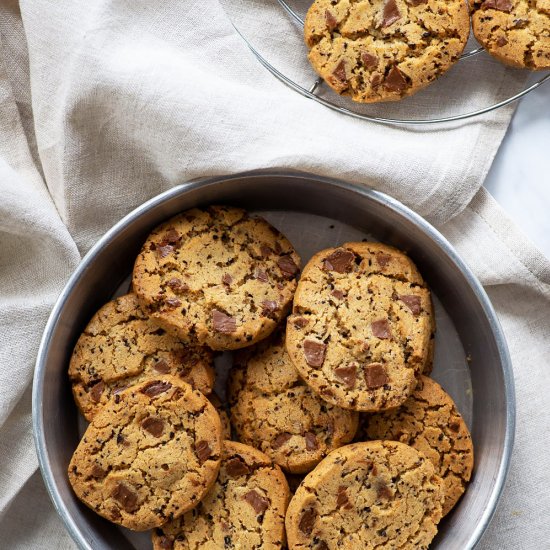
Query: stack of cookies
[
  {"x": 331, "y": 405},
  {"x": 385, "y": 50}
]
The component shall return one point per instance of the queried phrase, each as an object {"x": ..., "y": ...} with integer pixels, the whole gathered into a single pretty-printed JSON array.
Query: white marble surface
[{"x": 520, "y": 176}]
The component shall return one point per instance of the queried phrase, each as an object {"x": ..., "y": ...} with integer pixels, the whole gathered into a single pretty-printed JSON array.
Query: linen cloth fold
[{"x": 105, "y": 104}]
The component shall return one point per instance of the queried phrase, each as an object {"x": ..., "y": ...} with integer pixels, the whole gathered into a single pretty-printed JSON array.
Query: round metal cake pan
[{"x": 457, "y": 291}]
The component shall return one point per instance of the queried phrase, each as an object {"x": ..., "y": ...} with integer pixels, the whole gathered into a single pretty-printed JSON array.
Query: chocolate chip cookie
[
  {"x": 217, "y": 277},
  {"x": 149, "y": 455},
  {"x": 384, "y": 50},
  {"x": 361, "y": 326},
  {"x": 274, "y": 410},
  {"x": 244, "y": 509},
  {"x": 516, "y": 32},
  {"x": 429, "y": 422},
  {"x": 379, "y": 494},
  {"x": 122, "y": 346}
]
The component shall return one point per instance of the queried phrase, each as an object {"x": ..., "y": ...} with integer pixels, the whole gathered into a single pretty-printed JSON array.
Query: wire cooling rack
[{"x": 318, "y": 87}]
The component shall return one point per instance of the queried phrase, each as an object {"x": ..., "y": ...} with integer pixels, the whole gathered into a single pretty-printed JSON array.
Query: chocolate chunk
[
  {"x": 227, "y": 279},
  {"x": 501, "y": 5},
  {"x": 454, "y": 426},
  {"x": 375, "y": 376},
  {"x": 520, "y": 23},
  {"x": 177, "y": 285},
  {"x": 265, "y": 251},
  {"x": 96, "y": 391},
  {"x": 307, "y": 521},
  {"x": 321, "y": 545},
  {"x": 381, "y": 329},
  {"x": 223, "y": 323},
  {"x": 278, "y": 247},
  {"x": 287, "y": 266},
  {"x": 376, "y": 80},
  {"x": 340, "y": 261},
  {"x": 281, "y": 439},
  {"x": 156, "y": 387},
  {"x": 299, "y": 322},
  {"x": 165, "y": 250},
  {"x": 369, "y": 61},
  {"x": 261, "y": 275},
  {"x": 338, "y": 294},
  {"x": 383, "y": 491},
  {"x": 118, "y": 390},
  {"x": 203, "y": 451},
  {"x": 342, "y": 500},
  {"x": 127, "y": 498},
  {"x": 391, "y": 13},
  {"x": 413, "y": 302},
  {"x": 269, "y": 307},
  {"x": 236, "y": 467},
  {"x": 154, "y": 426},
  {"x": 383, "y": 259},
  {"x": 114, "y": 513},
  {"x": 258, "y": 502},
  {"x": 501, "y": 41},
  {"x": 98, "y": 472},
  {"x": 172, "y": 302},
  {"x": 171, "y": 237},
  {"x": 314, "y": 353},
  {"x": 330, "y": 21},
  {"x": 340, "y": 72},
  {"x": 395, "y": 81},
  {"x": 348, "y": 375},
  {"x": 311, "y": 441},
  {"x": 162, "y": 366}
]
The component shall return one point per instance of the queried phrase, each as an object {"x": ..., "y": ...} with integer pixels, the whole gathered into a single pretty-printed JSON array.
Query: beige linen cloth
[{"x": 104, "y": 104}]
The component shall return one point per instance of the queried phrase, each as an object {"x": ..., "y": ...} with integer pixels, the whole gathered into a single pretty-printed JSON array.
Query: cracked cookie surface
[
  {"x": 516, "y": 32},
  {"x": 361, "y": 326},
  {"x": 274, "y": 410},
  {"x": 384, "y": 50},
  {"x": 379, "y": 494},
  {"x": 121, "y": 347},
  {"x": 217, "y": 277},
  {"x": 244, "y": 509},
  {"x": 149, "y": 455},
  {"x": 430, "y": 422}
]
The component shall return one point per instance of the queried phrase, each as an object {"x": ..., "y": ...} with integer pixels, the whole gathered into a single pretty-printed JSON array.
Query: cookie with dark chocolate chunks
[
  {"x": 244, "y": 509},
  {"x": 365, "y": 350},
  {"x": 384, "y": 50},
  {"x": 274, "y": 410},
  {"x": 148, "y": 456},
  {"x": 226, "y": 280},
  {"x": 122, "y": 346},
  {"x": 365, "y": 493}
]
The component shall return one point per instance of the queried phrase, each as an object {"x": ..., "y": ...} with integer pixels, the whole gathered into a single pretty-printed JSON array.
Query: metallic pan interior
[{"x": 54, "y": 413}]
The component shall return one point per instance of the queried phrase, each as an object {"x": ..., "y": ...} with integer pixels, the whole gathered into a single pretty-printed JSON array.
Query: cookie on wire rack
[
  {"x": 384, "y": 50},
  {"x": 516, "y": 32}
]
